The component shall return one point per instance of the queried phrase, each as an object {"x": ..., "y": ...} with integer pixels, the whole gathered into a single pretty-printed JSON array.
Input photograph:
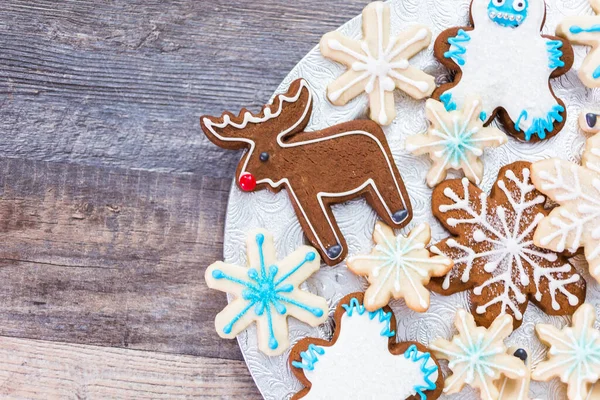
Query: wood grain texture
[
  {"x": 111, "y": 257},
  {"x": 38, "y": 370},
  {"x": 123, "y": 83}
]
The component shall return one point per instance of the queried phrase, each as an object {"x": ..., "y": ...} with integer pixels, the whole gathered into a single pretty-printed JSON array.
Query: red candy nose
[{"x": 247, "y": 182}]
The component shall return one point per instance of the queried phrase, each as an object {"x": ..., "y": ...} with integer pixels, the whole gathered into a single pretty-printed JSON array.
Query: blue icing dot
[
  {"x": 273, "y": 344},
  {"x": 317, "y": 312},
  {"x": 252, "y": 273},
  {"x": 217, "y": 274},
  {"x": 311, "y": 256},
  {"x": 227, "y": 329},
  {"x": 286, "y": 288},
  {"x": 260, "y": 238},
  {"x": 483, "y": 116}
]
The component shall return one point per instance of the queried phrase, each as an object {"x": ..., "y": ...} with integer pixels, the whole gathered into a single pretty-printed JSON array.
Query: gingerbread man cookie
[
  {"x": 576, "y": 223},
  {"x": 504, "y": 58},
  {"x": 478, "y": 356},
  {"x": 378, "y": 64},
  {"x": 266, "y": 292},
  {"x": 455, "y": 140},
  {"x": 317, "y": 169},
  {"x": 585, "y": 30},
  {"x": 574, "y": 354},
  {"x": 364, "y": 361},
  {"x": 494, "y": 256},
  {"x": 399, "y": 267}
]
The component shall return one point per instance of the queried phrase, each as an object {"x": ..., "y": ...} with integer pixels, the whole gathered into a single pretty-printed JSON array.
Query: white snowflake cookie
[
  {"x": 455, "y": 140},
  {"x": 399, "y": 267},
  {"x": 574, "y": 355},
  {"x": 576, "y": 223},
  {"x": 495, "y": 257},
  {"x": 266, "y": 292},
  {"x": 478, "y": 356},
  {"x": 585, "y": 30},
  {"x": 364, "y": 361},
  {"x": 378, "y": 64}
]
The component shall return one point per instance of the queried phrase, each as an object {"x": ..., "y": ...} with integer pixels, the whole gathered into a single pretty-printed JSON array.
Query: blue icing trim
[
  {"x": 265, "y": 292},
  {"x": 449, "y": 104},
  {"x": 555, "y": 53},
  {"x": 386, "y": 317},
  {"x": 540, "y": 126},
  {"x": 483, "y": 116},
  {"x": 576, "y": 30},
  {"x": 309, "y": 357},
  {"x": 596, "y": 73},
  {"x": 414, "y": 355},
  {"x": 459, "y": 48}
]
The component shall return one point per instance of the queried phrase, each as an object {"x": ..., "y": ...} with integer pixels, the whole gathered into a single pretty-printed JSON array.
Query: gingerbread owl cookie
[
  {"x": 378, "y": 64},
  {"x": 494, "y": 254},
  {"x": 317, "y": 169},
  {"x": 364, "y": 361},
  {"x": 576, "y": 223},
  {"x": 267, "y": 292},
  {"x": 504, "y": 58}
]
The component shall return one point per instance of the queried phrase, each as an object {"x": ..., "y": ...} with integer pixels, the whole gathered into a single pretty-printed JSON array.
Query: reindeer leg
[
  {"x": 320, "y": 226},
  {"x": 389, "y": 199}
]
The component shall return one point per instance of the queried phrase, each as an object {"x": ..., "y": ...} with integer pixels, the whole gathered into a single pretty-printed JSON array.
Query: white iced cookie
[
  {"x": 576, "y": 223},
  {"x": 585, "y": 30},
  {"x": 363, "y": 360},
  {"x": 478, "y": 356},
  {"x": 399, "y": 267},
  {"x": 574, "y": 354},
  {"x": 378, "y": 64},
  {"x": 455, "y": 140},
  {"x": 266, "y": 292}
]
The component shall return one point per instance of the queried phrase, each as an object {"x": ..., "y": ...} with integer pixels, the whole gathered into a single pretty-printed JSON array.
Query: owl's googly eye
[
  {"x": 519, "y": 5},
  {"x": 498, "y": 3}
]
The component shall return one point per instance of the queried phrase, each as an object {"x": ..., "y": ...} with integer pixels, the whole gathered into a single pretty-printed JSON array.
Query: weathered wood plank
[
  {"x": 31, "y": 369},
  {"x": 122, "y": 83},
  {"x": 111, "y": 257}
]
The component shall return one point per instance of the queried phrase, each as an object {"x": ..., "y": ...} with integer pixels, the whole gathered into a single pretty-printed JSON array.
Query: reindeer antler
[{"x": 288, "y": 114}]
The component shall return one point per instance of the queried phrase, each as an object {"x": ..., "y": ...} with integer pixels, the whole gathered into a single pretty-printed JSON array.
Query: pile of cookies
[{"x": 505, "y": 248}]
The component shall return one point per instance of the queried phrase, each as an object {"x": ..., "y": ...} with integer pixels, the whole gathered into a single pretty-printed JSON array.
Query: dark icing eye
[
  {"x": 519, "y": 5},
  {"x": 264, "y": 157},
  {"x": 521, "y": 354},
  {"x": 498, "y": 3},
  {"x": 591, "y": 119}
]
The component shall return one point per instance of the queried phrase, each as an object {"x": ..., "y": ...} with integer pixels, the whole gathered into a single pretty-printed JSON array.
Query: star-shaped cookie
[
  {"x": 378, "y": 64},
  {"x": 399, "y": 267}
]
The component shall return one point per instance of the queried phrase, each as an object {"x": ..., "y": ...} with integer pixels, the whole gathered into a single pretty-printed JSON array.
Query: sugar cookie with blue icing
[
  {"x": 585, "y": 30},
  {"x": 266, "y": 292},
  {"x": 503, "y": 58},
  {"x": 364, "y": 361}
]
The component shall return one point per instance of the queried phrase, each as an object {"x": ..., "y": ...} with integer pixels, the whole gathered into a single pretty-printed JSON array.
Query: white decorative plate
[{"x": 275, "y": 213}]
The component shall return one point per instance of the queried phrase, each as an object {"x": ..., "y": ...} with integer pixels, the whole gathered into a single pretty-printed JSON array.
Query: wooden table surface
[{"x": 112, "y": 202}]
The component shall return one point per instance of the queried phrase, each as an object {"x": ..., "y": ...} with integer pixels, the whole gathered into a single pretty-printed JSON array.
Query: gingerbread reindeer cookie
[
  {"x": 364, "y": 361},
  {"x": 504, "y": 58},
  {"x": 494, "y": 254},
  {"x": 317, "y": 169}
]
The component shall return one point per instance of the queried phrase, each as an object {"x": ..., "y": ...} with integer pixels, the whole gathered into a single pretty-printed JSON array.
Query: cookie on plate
[
  {"x": 364, "y": 361},
  {"x": 576, "y": 223},
  {"x": 266, "y": 291},
  {"x": 505, "y": 59},
  {"x": 378, "y": 64},
  {"x": 495, "y": 258},
  {"x": 317, "y": 169},
  {"x": 399, "y": 267}
]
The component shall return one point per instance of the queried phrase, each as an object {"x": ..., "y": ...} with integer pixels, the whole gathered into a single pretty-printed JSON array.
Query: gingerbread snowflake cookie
[
  {"x": 455, "y": 140},
  {"x": 504, "y": 58},
  {"x": 399, "y": 267},
  {"x": 576, "y": 223},
  {"x": 378, "y": 64},
  {"x": 478, "y": 356},
  {"x": 364, "y": 361},
  {"x": 494, "y": 255},
  {"x": 585, "y": 30},
  {"x": 574, "y": 354},
  {"x": 267, "y": 292}
]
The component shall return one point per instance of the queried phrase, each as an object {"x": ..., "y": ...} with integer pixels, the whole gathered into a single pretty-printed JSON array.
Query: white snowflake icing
[
  {"x": 576, "y": 223},
  {"x": 498, "y": 242},
  {"x": 478, "y": 356},
  {"x": 455, "y": 139},
  {"x": 574, "y": 354},
  {"x": 378, "y": 64},
  {"x": 399, "y": 267}
]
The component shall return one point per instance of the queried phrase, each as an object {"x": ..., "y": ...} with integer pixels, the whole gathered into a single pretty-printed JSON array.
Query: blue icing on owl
[{"x": 509, "y": 13}]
